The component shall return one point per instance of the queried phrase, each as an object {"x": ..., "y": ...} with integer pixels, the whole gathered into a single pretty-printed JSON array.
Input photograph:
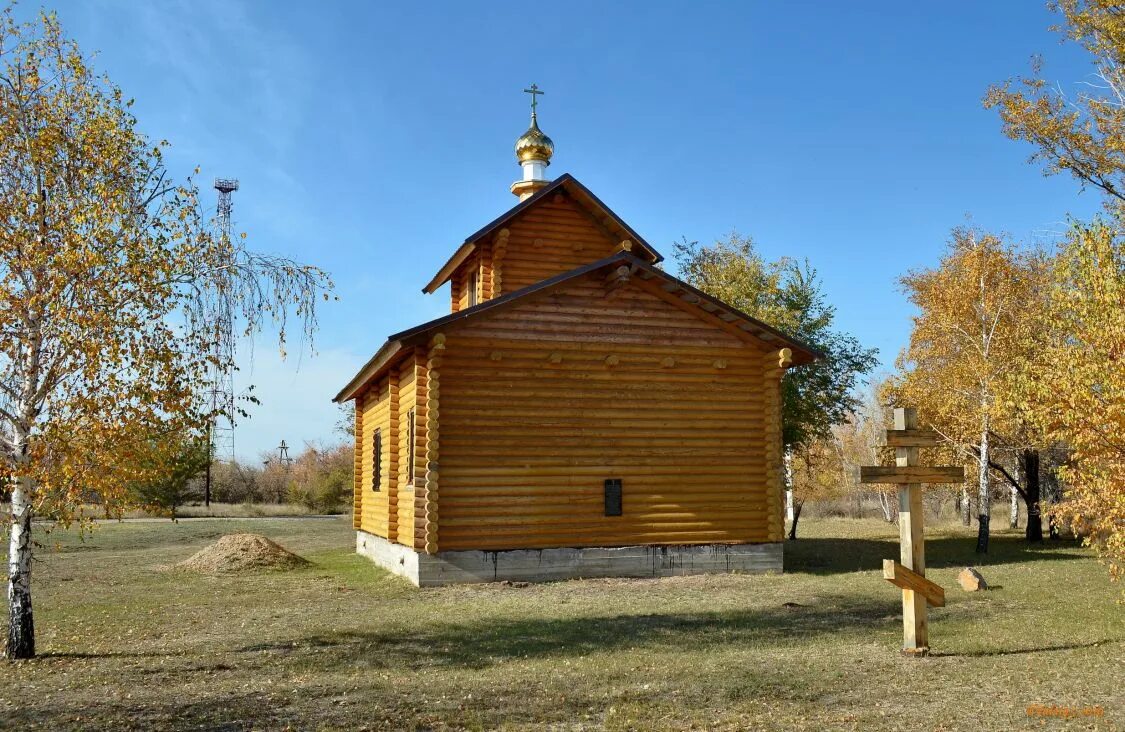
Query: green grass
[{"x": 127, "y": 644}]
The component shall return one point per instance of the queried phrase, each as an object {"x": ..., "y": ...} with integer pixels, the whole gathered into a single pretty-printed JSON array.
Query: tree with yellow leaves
[
  {"x": 1076, "y": 393},
  {"x": 109, "y": 284},
  {"x": 971, "y": 332},
  {"x": 817, "y": 473},
  {"x": 1081, "y": 133}
]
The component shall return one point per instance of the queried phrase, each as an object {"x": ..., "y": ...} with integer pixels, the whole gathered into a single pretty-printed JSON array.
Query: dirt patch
[{"x": 241, "y": 553}]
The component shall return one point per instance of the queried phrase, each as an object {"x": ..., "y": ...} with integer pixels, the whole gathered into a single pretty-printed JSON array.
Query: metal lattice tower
[{"x": 221, "y": 428}]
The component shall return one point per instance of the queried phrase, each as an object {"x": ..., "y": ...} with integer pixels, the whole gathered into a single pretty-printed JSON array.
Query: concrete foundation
[{"x": 542, "y": 565}]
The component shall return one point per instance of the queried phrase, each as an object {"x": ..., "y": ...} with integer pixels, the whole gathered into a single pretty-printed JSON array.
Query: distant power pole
[{"x": 220, "y": 430}]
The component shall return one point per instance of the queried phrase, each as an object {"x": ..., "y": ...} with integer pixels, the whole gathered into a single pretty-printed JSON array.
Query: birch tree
[
  {"x": 1077, "y": 129},
  {"x": 971, "y": 329},
  {"x": 109, "y": 283}
]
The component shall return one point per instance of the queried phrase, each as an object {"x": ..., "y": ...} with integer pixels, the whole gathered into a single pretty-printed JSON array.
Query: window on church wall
[
  {"x": 377, "y": 461},
  {"x": 474, "y": 280},
  {"x": 410, "y": 447}
]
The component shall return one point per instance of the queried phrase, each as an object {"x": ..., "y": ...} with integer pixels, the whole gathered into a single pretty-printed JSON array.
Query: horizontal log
[
  {"x": 712, "y": 338},
  {"x": 606, "y": 527},
  {"x": 623, "y": 319},
  {"x": 648, "y": 513},
  {"x": 610, "y": 417},
  {"x": 687, "y": 404},
  {"x": 911, "y": 438},
  {"x": 563, "y": 367},
  {"x": 595, "y": 455},
  {"x": 544, "y": 229},
  {"x": 601, "y": 536},
  {"x": 570, "y": 430},
  {"x": 686, "y": 401},
  {"x": 556, "y": 524},
  {"x": 560, "y": 488},
  {"x": 701, "y": 472},
  {"x": 911, "y": 474},
  {"x": 621, "y": 308},
  {"x": 908, "y": 579},
  {"x": 555, "y": 257},
  {"x": 468, "y": 340},
  {"x": 474, "y": 505},
  {"x": 481, "y": 370},
  {"x": 538, "y": 444},
  {"x": 533, "y": 485}
]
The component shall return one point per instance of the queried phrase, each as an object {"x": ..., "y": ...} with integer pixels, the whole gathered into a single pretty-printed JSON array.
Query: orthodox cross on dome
[{"x": 534, "y": 92}]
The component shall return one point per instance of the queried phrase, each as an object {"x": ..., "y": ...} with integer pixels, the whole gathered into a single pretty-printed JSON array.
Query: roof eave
[
  {"x": 463, "y": 252},
  {"x": 381, "y": 358}
]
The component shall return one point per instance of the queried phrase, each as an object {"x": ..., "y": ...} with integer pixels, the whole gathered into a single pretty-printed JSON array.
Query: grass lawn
[
  {"x": 126, "y": 644},
  {"x": 215, "y": 510}
]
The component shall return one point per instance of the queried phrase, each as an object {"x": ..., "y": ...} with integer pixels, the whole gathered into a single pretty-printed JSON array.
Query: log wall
[
  {"x": 407, "y": 397},
  {"x": 372, "y": 412},
  {"x": 389, "y": 512},
  {"x": 553, "y": 237},
  {"x": 543, "y": 401}
]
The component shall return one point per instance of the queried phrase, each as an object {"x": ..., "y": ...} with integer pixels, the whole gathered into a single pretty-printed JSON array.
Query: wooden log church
[{"x": 579, "y": 413}]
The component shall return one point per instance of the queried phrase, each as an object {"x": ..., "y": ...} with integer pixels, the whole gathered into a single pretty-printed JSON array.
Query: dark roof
[
  {"x": 565, "y": 181},
  {"x": 401, "y": 342}
]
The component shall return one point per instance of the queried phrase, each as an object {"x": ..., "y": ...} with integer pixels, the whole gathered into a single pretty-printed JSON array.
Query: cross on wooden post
[{"x": 910, "y": 572}]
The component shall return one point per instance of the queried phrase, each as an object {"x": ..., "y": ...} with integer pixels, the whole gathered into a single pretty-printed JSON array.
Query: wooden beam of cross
[{"x": 909, "y": 573}]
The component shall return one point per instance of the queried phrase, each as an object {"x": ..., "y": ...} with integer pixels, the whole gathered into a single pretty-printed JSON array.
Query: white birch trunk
[
  {"x": 789, "y": 498},
  {"x": 966, "y": 507},
  {"x": 21, "y": 626},
  {"x": 984, "y": 499},
  {"x": 1014, "y": 514},
  {"x": 890, "y": 514}
]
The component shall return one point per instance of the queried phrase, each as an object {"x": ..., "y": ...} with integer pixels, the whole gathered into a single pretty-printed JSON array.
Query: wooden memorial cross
[{"x": 910, "y": 572}]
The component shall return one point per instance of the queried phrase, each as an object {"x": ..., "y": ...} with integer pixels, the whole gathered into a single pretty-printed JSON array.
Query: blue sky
[{"x": 371, "y": 138}]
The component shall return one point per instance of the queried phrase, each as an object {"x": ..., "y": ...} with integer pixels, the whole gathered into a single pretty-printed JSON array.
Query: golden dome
[{"x": 534, "y": 145}]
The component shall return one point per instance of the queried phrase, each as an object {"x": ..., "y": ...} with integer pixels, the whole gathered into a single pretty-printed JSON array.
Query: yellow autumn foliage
[
  {"x": 1075, "y": 391},
  {"x": 1078, "y": 391}
]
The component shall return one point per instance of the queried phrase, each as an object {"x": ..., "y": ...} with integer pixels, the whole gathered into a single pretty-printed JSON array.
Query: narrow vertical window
[
  {"x": 613, "y": 497},
  {"x": 410, "y": 447},
  {"x": 377, "y": 461},
  {"x": 473, "y": 281}
]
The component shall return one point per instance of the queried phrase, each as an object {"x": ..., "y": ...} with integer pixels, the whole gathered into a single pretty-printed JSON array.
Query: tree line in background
[
  {"x": 319, "y": 479},
  {"x": 1017, "y": 354}
]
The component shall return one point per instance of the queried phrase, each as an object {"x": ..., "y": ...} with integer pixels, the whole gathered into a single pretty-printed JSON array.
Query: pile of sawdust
[{"x": 241, "y": 553}]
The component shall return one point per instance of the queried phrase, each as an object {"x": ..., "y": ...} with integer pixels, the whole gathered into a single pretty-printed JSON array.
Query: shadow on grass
[
  {"x": 108, "y": 654},
  {"x": 835, "y": 556},
  {"x": 230, "y": 712},
  {"x": 483, "y": 644},
  {"x": 1023, "y": 651}
]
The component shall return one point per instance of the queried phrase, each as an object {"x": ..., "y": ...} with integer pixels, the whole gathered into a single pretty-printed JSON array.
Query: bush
[
  {"x": 169, "y": 469},
  {"x": 322, "y": 479}
]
